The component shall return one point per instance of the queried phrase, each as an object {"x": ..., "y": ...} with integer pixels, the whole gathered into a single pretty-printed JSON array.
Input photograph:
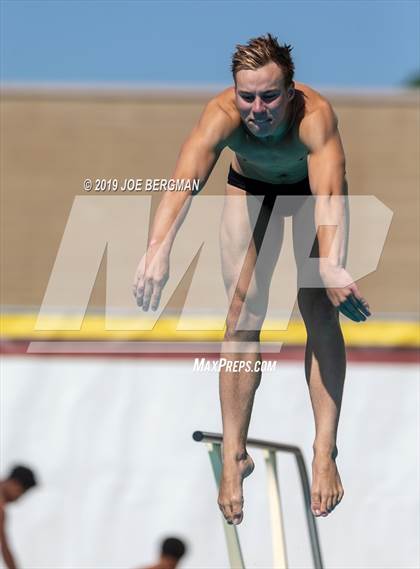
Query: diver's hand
[
  {"x": 344, "y": 294},
  {"x": 151, "y": 276}
]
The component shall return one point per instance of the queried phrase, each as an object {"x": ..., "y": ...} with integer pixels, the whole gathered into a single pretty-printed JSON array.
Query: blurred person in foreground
[
  {"x": 17, "y": 483},
  {"x": 171, "y": 551},
  {"x": 285, "y": 140}
]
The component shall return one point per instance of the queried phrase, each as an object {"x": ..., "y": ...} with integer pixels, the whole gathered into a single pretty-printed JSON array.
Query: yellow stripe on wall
[{"x": 375, "y": 333}]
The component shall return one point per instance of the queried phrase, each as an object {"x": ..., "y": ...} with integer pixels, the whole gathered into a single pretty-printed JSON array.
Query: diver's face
[{"x": 262, "y": 99}]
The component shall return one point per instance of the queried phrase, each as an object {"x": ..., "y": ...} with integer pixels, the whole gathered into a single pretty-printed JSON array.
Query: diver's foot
[
  {"x": 327, "y": 490},
  {"x": 231, "y": 501}
]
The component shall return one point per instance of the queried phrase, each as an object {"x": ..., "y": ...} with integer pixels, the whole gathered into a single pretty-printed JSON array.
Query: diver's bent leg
[{"x": 325, "y": 367}]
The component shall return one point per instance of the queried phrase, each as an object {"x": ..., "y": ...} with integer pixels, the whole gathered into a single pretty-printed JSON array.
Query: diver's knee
[{"x": 235, "y": 335}]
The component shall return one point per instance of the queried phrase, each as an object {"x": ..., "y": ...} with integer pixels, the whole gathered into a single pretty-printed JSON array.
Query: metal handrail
[{"x": 217, "y": 439}]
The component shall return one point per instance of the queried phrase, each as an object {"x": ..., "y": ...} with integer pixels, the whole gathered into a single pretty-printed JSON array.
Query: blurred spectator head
[
  {"x": 20, "y": 480},
  {"x": 173, "y": 547}
]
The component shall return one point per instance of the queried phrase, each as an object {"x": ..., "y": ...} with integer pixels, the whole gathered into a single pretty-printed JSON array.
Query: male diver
[{"x": 286, "y": 142}]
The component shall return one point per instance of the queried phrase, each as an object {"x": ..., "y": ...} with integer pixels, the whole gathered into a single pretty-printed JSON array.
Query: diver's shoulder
[
  {"x": 313, "y": 100},
  {"x": 224, "y": 102},
  {"x": 220, "y": 119},
  {"x": 319, "y": 122}
]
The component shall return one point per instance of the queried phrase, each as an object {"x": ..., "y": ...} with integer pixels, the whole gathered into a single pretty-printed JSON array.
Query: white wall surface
[{"x": 111, "y": 442}]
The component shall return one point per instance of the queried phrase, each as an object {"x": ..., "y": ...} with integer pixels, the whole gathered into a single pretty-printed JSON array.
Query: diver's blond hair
[{"x": 260, "y": 51}]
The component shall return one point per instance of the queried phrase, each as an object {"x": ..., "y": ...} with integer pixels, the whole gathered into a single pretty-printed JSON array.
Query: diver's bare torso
[{"x": 279, "y": 161}]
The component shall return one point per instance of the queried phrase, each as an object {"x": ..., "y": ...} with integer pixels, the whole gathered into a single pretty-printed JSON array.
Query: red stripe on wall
[{"x": 287, "y": 353}]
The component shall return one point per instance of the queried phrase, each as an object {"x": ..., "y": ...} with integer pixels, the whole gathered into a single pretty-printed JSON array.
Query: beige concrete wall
[{"x": 52, "y": 140}]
